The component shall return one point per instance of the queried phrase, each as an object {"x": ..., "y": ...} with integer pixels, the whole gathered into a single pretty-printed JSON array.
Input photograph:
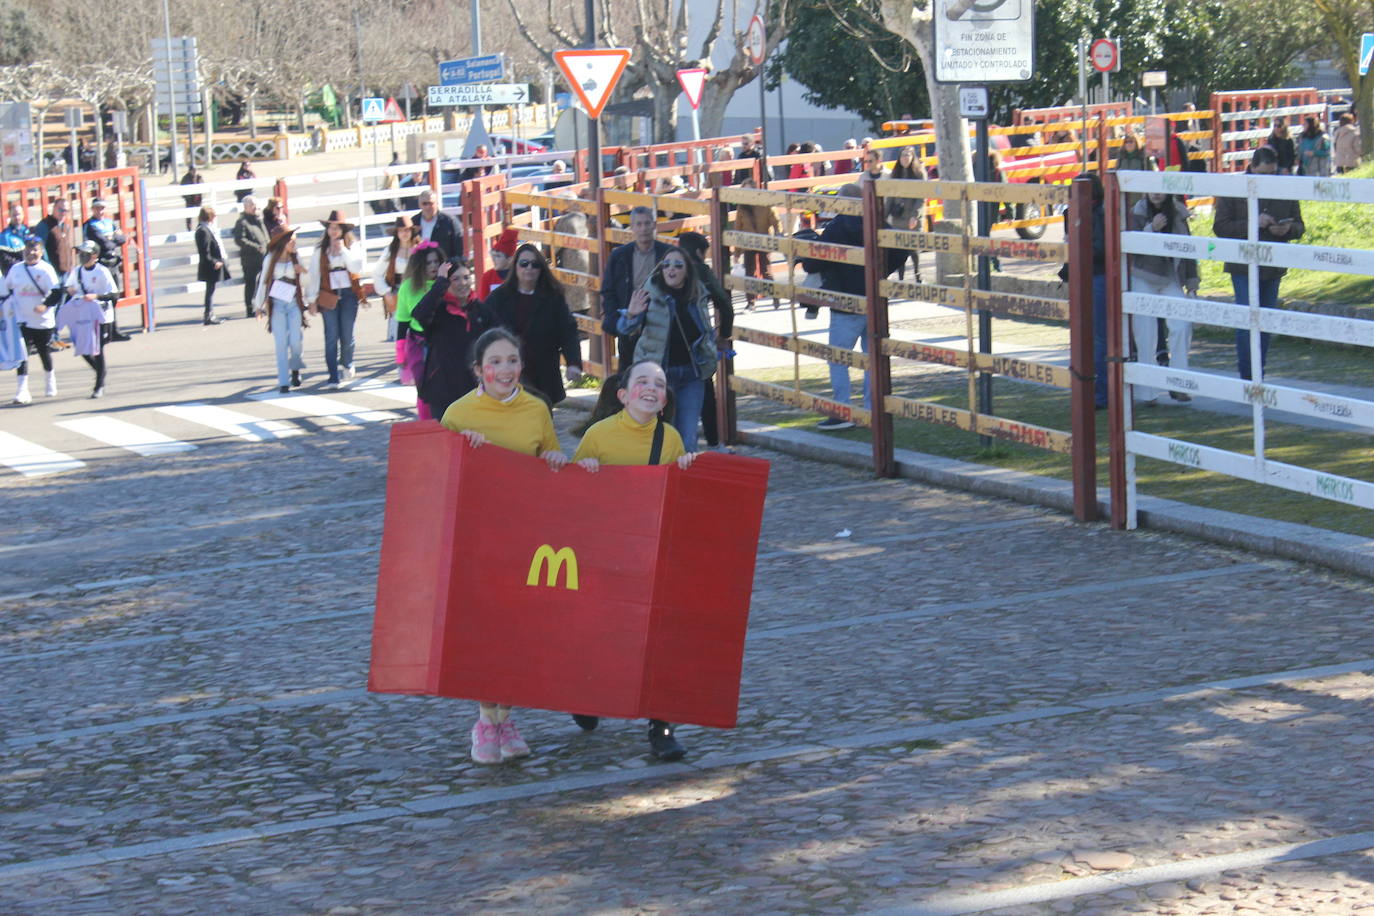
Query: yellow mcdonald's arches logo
[{"x": 555, "y": 560}]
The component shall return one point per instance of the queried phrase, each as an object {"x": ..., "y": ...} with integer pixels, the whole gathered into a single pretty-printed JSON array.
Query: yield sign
[
  {"x": 593, "y": 74},
  {"x": 692, "y": 80},
  {"x": 393, "y": 112}
]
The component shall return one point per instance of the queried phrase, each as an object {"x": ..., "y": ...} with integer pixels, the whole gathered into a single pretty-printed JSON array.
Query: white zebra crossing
[
  {"x": 123, "y": 434},
  {"x": 33, "y": 459},
  {"x": 242, "y": 425}
]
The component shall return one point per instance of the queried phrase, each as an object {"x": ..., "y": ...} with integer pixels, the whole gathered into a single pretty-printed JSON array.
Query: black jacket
[
  {"x": 448, "y": 346},
  {"x": 208, "y": 247},
  {"x": 842, "y": 278},
  {"x": 251, "y": 237},
  {"x": 549, "y": 329},
  {"x": 1230, "y": 221},
  {"x": 446, "y": 234},
  {"x": 617, "y": 283}
]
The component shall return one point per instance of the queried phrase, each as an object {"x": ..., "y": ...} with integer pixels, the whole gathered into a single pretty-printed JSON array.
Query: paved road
[{"x": 963, "y": 706}]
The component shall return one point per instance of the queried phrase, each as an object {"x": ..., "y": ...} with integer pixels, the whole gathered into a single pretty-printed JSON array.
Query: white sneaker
[
  {"x": 349, "y": 372},
  {"x": 21, "y": 395},
  {"x": 51, "y": 389},
  {"x": 98, "y": 393}
]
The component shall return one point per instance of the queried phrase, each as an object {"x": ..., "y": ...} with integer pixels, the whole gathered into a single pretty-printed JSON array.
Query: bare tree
[{"x": 656, "y": 32}]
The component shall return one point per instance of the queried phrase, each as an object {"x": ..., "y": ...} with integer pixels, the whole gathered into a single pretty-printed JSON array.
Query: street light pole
[{"x": 171, "y": 88}]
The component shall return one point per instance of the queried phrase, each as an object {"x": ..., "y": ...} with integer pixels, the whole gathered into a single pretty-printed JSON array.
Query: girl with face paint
[{"x": 500, "y": 412}]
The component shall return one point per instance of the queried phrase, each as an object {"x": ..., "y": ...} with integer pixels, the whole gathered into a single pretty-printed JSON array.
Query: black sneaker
[
  {"x": 586, "y": 723},
  {"x": 834, "y": 423},
  {"x": 662, "y": 744},
  {"x": 1181, "y": 397},
  {"x": 295, "y": 378}
]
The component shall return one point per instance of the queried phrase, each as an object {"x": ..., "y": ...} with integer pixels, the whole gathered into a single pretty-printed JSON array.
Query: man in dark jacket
[
  {"x": 627, "y": 267},
  {"x": 105, "y": 233},
  {"x": 1279, "y": 221},
  {"x": 437, "y": 226},
  {"x": 56, "y": 233},
  {"x": 251, "y": 236},
  {"x": 846, "y": 328}
]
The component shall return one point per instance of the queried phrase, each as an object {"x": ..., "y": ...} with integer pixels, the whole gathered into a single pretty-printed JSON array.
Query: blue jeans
[
  {"x": 287, "y": 336},
  {"x": 1100, "y": 339},
  {"x": 847, "y": 329},
  {"x": 338, "y": 333},
  {"x": 689, "y": 391},
  {"x": 1269, "y": 299}
]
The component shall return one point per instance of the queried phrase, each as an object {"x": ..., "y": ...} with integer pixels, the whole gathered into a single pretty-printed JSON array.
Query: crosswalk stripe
[
  {"x": 401, "y": 394},
  {"x": 125, "y": 435},
  {"x": 33, "y": 460},
  {"x": 244, "y": 426},
  {"x": 316, "y": 406}
]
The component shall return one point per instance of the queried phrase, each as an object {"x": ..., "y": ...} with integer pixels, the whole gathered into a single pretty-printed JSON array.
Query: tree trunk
[
  {"x": 252, "y": 116},
  {"x": 665, "y": 112},
  {"x": 715, "y": 98},
  {"x": 1364, "y": 106},
  {"x": 300, "y": 115}
]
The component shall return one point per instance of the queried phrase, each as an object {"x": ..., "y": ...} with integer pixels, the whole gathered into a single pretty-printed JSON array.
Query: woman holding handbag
[
  {"x": 332, "y": 289},
  {"x": 211, "y": 267},
  {"x": 391, "y": 266},
  {"x": 280, "y": 300}
]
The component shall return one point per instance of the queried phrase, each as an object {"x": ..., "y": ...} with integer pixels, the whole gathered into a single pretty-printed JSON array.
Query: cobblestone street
[{"x": 964, "y": 706}]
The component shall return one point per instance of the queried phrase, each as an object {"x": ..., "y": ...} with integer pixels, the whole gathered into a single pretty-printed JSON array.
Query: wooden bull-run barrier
[{"x": 566, "y": 222}]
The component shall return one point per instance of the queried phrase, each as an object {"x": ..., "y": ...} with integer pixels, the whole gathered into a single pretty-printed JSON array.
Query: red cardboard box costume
[{"x": 623, "y": 593}]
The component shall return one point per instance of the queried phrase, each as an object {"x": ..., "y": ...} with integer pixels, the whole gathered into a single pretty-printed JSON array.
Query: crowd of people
[{"x": 55, "y": 276}]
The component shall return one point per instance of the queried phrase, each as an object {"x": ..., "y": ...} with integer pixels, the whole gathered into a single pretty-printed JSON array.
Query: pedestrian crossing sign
[
  {"x": 1366, "y": 52},
  {"x": 374, "y": 109}
]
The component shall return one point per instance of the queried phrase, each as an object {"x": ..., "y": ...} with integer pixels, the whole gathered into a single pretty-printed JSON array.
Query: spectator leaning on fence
[
  {"x": 12, "y": 238},
  {"x": 56, "y": 233},
  {"x": 1279, "y": 221},
  {"x": 846, "y": 328},
  {"x": 1314, "y": 150},
  {"x": 251, "y": 236},
  {"x": 1345, "y": 144}
]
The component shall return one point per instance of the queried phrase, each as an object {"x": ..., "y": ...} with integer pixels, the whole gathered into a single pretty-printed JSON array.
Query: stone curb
[{"x": 1333, "y": 549}]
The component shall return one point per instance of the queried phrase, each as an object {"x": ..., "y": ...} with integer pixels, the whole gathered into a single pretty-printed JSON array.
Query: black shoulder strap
[{"x": 656, "y": 450}]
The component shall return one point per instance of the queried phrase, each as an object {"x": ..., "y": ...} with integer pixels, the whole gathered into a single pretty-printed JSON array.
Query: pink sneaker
[
  {"x": 486, "y": 742},
  {"x": 512, "y": 745}
]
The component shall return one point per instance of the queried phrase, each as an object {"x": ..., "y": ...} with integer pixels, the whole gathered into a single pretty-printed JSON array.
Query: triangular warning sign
[
  {"x": 692, "y": 80},
  {"x": 373, "y": 109},
  {"x": 592, "y": 74},
  {"x": 393, "y": 112}
]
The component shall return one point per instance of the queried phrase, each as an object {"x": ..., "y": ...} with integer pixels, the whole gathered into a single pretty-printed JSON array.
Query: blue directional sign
[
  {"x": 489, "y": 68},
  {"x": 1366, "y": 52}
]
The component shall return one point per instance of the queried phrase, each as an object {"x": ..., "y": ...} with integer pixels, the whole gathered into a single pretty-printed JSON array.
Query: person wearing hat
[
  {"x": 34, "y": 290},
  {"x": 391, "y": 267},
  {"x": 211, "y": 268},
  {"x": 101, "y": 230},
  {"x": 251, "y": 236},
  {"x": 279, "y": 297},
  {"x": 332, "y": 289},
  {"x": 502, "y": 250},
  {"x": 87, "y": 313}
]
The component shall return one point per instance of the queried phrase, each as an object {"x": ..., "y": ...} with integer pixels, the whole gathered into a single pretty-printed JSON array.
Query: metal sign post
[
  {"x": 976, "y": 44},
  {"x": 71, "y": 116},
  {"x": 756, "y": 43}
]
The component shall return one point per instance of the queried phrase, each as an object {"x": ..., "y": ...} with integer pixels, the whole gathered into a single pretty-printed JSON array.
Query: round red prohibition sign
[{"x": 1103, "y": 55}]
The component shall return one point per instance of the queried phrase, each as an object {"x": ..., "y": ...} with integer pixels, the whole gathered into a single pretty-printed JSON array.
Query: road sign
[
  {"x": 1154, "y": 78},
  {"x": 984, "y": 41},
  {"x": 176, "y": 80},
  {"x": 692, "y": 80},
  {"x": 973, "y": 101},
  {"x": 1366, "y": 52},
  {"x": 488, "y": 68},
  {"x": 592, "y": 74},
  {"x": 393, "y": 113},
  {"x": 72, "y": 116},
  {"x": 756, "y": 40},
  {"x": 374, "y": 109},
  {"x": 480, "y": 94},
  {"x": 1105, "y": 56}
]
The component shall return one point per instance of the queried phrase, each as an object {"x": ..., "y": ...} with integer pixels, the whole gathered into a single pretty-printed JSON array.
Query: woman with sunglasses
[
  {"x": 669, "y": 314},
  {"x": 530, "y": 303}
]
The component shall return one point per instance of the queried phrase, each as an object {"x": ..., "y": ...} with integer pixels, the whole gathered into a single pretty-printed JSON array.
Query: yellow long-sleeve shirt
[
  {"x": 618, "y": 439},
  {"x": 522, "y": 424}
]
